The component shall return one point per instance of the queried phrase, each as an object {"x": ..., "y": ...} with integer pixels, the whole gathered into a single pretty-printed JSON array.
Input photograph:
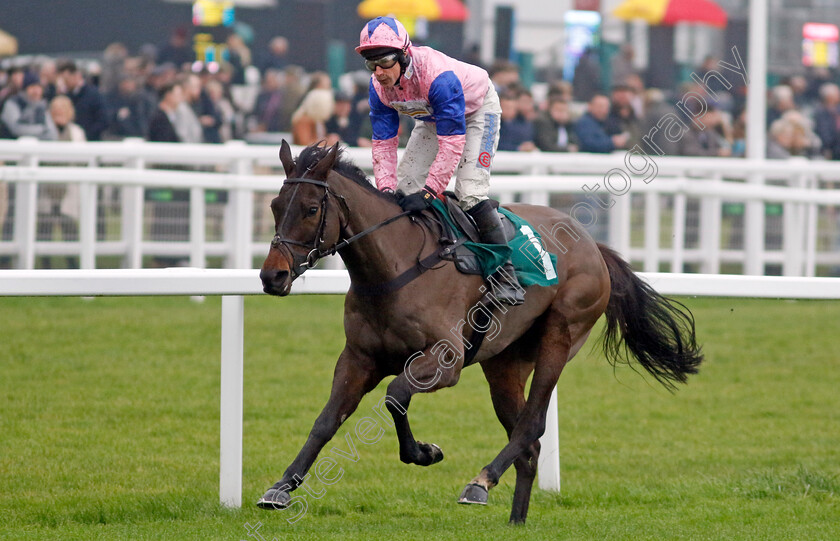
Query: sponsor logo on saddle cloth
[
  {"x": 541, "y": 254},
  {"x": 413, "y": 108}
]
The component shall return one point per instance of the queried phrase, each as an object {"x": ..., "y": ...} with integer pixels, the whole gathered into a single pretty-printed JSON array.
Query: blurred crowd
[{"x": 160, "y": 94}]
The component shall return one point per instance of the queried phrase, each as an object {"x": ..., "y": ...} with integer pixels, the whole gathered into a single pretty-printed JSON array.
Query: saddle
[
  {"x": 458, "y": 242},
  {"x": 458, "y": 227}
]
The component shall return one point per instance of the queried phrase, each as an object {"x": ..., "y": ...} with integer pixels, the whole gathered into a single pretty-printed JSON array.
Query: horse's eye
[{"x": 312, "y": 211}]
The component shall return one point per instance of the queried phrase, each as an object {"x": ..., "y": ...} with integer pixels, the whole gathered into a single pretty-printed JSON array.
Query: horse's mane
[{"x": 312, "y": 154}]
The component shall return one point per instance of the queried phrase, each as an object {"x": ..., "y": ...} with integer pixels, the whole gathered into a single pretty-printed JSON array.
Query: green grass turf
[{"x": 109, "y": 428}]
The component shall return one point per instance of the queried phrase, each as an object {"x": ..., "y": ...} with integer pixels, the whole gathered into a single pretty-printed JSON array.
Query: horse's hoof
[
  {"x": 432, "y": 451},
  {"x": 274, "y": 498},
  {"x": 475, "y": 494}
]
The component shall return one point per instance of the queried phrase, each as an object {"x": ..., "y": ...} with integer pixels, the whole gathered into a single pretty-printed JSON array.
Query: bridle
[{"x": 315, "y": 247}]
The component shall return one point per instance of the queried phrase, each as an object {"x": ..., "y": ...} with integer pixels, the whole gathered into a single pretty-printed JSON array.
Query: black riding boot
[{"x": 505, "y": 286}]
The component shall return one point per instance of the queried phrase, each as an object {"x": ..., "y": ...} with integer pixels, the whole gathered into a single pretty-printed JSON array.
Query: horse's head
[{"x": 308, "y": 217}]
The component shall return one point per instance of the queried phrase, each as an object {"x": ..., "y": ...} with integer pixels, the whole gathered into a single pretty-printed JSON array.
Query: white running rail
[{"x": 233, "y": 284}]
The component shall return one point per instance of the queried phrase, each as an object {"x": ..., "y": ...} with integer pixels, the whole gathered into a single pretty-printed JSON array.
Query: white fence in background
[
  {"x": 206, "y": 205},
  {"x": 232, "y": 284}
]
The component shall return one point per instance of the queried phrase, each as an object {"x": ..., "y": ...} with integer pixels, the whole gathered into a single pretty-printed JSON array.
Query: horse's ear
[
  {"x": 286, "y": 159},
  {"x": 323, "y": 167}
]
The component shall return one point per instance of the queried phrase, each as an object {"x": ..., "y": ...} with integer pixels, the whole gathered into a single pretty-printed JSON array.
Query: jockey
[{"x": 456, "y": 112}]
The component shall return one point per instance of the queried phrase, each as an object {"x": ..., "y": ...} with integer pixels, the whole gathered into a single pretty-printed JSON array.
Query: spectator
[
  {"x": 561, "y": 89},
  {"x": 504, "y": 74},
  {"x": 177, "y": 50},
  {"x": 293, "y": 92},
  {"x": 525, "y": 107},
  {"x": 204, "y": 109},
  {"x": 705, "y": 141},
  {"x": 592, "y": 129},
  {"x": 113, "y": 61},
  {"x": 224, "y": 108},
  {"x": 63, "y": 114},
  {"x": 799, "y": 85},
  {"x": 319, "y": 79},
  {"x": 791, "y": 135},
  {"x": 781, "y": 101},
  {"x": 129, "y": 110},
  {"x": 816, "y": 79},
  {"x": 656, "y": 109},
  {"x": 553, "y": 129},
  {"x": 739, "y": 135},
  {"x": 91, "y": 111},
  {"x": 187, "y": 124},
  {"x": 586, "y": 81},
  {"x": 515, "y": 132},
  {"x": 268, "y": 107},
  {"x": 48, "y": 73},
  {"x": 634, "y": 82},
  {"x": 309, "y": 120},
  {"x": 162, "y": 125},
  {"x": 827, "y": 120},
  {"x": 14, "y": 84},
  {"x": 58, "y": 204},
  {"x": 622, "y": 117},
  {"x": 275, "y": 57},
  {"x": 26, "y": 113},
  {"x": 343, "y": 125},
  {"x": 239, "y": 57},
  {"x": 621, "y": 65}
]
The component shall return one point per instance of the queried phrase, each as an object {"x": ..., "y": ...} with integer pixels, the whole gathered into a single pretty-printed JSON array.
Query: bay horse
[{"x": 327, "y": 204}]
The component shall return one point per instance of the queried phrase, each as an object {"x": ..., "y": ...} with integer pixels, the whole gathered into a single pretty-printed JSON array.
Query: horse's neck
[{"x": 385, "y": 253}]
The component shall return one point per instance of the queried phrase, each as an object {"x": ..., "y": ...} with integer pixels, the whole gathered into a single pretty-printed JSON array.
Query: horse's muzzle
[{"x": 276, "y": 282}]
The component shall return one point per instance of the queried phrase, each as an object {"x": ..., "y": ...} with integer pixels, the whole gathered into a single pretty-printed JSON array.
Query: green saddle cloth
[{"x": 533, "y": 264}]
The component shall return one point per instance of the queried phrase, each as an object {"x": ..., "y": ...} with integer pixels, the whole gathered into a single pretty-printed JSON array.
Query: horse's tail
[{"x": 658, "y": 331}]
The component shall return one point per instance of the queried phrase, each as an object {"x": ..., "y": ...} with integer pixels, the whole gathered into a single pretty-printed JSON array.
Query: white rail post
[
  {"x": 132, "y": 218},
  {"x": 548, "y": 465},
  {"x": 678, "y": 232},
  {"x": 756, "y": 134},
  {"x": 652, "y": 225},
  {"x": 87, "y": 225},
  {"x": 754, "y": 231},
  {"x": 793, "y": 231},
  {"x": 239, "y": 224},
  {"x": 619, "y": 225},
  {"x": 26, "y": 215},
  {"x": 197, "y": 228},
  {"x": 230, "y": 415},
  {"x": 710, "y": 231}
]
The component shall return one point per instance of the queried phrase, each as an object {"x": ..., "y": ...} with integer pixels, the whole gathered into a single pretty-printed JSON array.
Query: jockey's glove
[{"x": 417, "y": 201}]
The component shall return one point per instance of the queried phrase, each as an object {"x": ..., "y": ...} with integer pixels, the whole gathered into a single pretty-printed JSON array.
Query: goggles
[{"x": 384, "y": 62}]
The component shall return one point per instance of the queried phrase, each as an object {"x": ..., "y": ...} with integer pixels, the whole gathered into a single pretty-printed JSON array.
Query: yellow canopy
[
  {"x": 651, "y": 11},
  {"x": 8, "y": 44},
  {"x": 408, "y": 9}
]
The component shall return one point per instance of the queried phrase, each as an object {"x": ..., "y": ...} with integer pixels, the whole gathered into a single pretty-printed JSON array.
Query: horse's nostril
[
  {"x": 267, "y": 275},
  {"x": 272, "y": 278}
]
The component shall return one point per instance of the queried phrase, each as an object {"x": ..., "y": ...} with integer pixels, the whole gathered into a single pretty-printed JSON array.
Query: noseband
[{"x": 315, "y": 250}]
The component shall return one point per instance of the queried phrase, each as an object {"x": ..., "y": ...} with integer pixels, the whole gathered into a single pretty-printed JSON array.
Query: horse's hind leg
[
  {"x": 554, "y": 346},
  {"x": 507, "y": 376}
]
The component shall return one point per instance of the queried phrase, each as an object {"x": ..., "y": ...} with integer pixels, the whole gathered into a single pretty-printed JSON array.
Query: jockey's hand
[{"x": 417, "y": 201}]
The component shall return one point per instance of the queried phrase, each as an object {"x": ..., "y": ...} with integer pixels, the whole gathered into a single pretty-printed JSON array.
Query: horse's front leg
[
  {"x": 435, "y": 368},
  {"x": 353, "y": 378}
]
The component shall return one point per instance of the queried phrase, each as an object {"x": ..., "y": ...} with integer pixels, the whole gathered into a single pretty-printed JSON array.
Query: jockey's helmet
[{"x": 381, "y": 36}]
